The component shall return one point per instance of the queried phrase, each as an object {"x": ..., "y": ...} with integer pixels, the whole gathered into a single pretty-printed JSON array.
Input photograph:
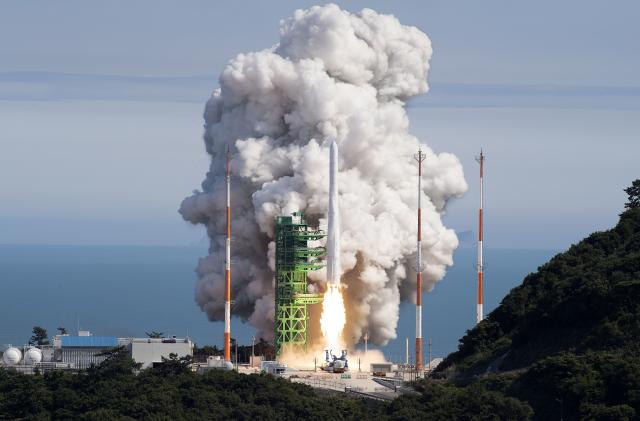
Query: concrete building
[
  {"x": 149, "y": 351},
  {"x": 84, "y": 350}
]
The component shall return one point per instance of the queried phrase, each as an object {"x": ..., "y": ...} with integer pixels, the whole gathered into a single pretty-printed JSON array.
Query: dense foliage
[
  {"x": 446, "y": 401},
  {"x": 634, "y": 195},
  {"x": 567, "y": 338},
  {"x": 168, "y": 392},
  {"x": 39, "y": 336},
  {"x": 171, "y": 391}
]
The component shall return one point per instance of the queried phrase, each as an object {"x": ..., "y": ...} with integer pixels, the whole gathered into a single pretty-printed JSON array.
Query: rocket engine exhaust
[{"x": 331, "y": 74}]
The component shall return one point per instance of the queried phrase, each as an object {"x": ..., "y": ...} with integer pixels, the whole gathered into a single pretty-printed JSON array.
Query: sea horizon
[{"x": 127, "y": 290}]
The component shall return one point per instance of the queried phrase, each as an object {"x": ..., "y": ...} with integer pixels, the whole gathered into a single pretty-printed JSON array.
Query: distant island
[{"x": 562, "y": 345}]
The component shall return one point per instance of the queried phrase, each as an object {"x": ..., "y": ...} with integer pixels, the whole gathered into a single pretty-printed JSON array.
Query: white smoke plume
[{"x": 338, "y": 75}]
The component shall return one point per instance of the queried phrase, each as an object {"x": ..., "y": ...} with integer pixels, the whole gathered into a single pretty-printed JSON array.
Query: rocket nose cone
[{"x": 334, "y": 146}]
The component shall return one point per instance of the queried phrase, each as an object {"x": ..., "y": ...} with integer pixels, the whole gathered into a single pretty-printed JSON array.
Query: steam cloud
[{"x": 338, "y": 75}]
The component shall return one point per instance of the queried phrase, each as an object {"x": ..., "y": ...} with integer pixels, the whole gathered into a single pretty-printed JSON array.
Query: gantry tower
[{"x": 294, "y": 259}]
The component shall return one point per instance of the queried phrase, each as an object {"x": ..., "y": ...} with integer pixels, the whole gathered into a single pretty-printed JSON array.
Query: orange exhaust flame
[{"x": 333, "y": 318}]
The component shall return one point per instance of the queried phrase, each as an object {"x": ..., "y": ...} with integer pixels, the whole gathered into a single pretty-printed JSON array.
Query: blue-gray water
[{"x": 127, "y": 290}]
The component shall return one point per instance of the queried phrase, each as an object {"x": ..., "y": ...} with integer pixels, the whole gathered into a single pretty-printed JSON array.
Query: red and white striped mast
[
  {"x": 227, "y": 269},
  {"x": 420, "y": 157},
  {"x": 479, "y": 265}
]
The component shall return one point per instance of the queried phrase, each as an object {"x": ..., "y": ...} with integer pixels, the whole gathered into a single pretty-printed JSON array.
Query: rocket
[{"x": 333, "y": 231}]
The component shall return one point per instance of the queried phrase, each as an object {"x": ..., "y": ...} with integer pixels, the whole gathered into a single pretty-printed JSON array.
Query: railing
[
  {"x": 320, "y": 383},
  {"x": 354, "y": 391}
]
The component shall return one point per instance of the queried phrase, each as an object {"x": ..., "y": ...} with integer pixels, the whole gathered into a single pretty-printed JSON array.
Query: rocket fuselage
[{"x": 333, "y": 230}]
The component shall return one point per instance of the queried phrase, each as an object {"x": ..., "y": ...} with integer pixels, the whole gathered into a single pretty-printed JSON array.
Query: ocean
[{"x": 130, "y": 290}]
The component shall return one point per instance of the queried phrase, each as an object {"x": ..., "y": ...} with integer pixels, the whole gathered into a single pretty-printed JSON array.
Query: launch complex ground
[
  {"x": 297, "y": 253},
  {"x": 356, "y": 382}
]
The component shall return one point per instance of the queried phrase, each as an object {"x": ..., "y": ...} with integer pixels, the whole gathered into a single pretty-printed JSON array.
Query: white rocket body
[{"x": 333, "y": 231}]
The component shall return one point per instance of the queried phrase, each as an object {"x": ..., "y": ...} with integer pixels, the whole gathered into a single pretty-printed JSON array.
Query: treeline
[
  {"x": 261, "y": 348},
  {"x": 171, "y": 391}
]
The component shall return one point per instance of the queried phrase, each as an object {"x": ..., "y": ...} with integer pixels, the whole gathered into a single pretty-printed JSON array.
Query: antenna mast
[
  {"x": 227, "y": 268},
  {"x": 480, "y": 263},
  {"x": 420, "y": 157}
]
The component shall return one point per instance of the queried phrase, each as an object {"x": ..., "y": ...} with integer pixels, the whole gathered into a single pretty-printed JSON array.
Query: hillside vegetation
[
  {"x": 172, "y": 392},
  {"x": 567, "y": 340}
]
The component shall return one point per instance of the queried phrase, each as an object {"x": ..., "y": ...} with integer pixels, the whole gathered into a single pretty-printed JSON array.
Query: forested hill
[{"x": 569, "y": 335}]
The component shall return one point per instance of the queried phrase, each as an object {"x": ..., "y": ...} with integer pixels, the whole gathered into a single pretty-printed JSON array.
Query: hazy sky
[{"x": 101, "y": 104}]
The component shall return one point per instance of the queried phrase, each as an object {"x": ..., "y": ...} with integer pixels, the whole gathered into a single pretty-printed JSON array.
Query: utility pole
[
  {"x": 253, "y": 354},
  {"x": 407, "y": 352},
  {"x": 429, "y": 347},
  {"x": 235, "y": 341}
]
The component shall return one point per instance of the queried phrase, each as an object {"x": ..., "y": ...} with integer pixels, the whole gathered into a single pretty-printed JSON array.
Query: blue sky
[{"x": 101, "y": 104}]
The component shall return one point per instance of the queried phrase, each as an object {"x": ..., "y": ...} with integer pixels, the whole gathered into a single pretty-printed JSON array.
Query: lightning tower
[
  {"x": 420, "y": 157},
  {"x": 479, "y": 266},
  {"x": 227, "y": 269}
]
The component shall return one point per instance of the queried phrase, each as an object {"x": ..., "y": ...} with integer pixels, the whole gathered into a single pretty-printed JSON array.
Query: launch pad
[{"x": 294, "y": 259}]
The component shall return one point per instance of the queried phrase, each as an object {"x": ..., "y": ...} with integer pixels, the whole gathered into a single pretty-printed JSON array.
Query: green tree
[
  {"x": 39, "y": 336},
  {"x": 62, "y": 330},
  {"x": 155, "y": 334},
  {"x": 117, "y": 363},
  {"x": 634, "y": 195},
  {"x": 174, "y": 365}
]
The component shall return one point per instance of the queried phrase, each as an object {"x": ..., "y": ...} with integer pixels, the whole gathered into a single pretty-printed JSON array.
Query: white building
[
  {"x": 85, "y": 350},
  {"x": 149, "y": 351}
]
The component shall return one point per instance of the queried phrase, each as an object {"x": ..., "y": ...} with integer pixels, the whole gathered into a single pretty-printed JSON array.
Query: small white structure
[
  {"x": 381, "y": 369},
  {"x": 12, "y": 356},
  {"x": 215, "y": 363},
  {"x": 255, "y": 360},
  {"x": 33, "y": 356},
  {"x": 273, "y": 367}
]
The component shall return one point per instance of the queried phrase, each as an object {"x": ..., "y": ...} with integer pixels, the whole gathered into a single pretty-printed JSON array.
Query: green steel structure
[{"x": 294, "y": 259}]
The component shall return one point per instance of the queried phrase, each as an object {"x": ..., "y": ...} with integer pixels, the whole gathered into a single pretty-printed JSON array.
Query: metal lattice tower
[{"x": 293, "y": 260}]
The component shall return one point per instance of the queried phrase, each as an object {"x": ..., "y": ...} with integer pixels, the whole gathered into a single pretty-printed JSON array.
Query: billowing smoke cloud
[{"x": 332, "y": 75}]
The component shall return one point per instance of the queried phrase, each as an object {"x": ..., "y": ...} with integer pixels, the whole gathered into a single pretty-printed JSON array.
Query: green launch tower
[{"x": 294, "y": 259}]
